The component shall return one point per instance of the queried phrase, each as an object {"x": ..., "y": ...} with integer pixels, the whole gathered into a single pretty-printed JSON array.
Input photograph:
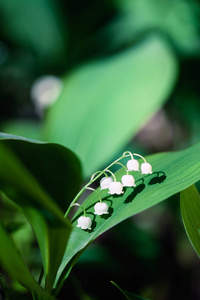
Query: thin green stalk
[
  {"x": 91, "y": 189},
  {"x": 140, "y": 156},
  {"x": 83, "y": 209},
  {"x": 81, "y": 192},
  {"x": 94, "y": 178},
  {"x": 111, "y": 174},
  {"x": 123, "y": 167}
]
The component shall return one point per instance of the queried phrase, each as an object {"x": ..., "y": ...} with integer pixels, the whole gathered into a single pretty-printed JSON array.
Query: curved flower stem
[
  {"x": 111, "y": 174},
  {"x": 91, "y": 189},
  {"x": 73, "y": 202},
  {"x": 123, "y": 167},
  {"x": 97, "y": 172},
  {"x": 83, "y": 209},
  {"x": 114, "y": 162},
  {"x": 82, "y": 190},
  {"x": 135, "y": 154},
  {"x": 129, "y": 154},
  {"x": 94, "y": 177}
]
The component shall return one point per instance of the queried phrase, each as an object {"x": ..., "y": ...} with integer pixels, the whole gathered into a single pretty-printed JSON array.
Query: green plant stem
[
  {"x": 91, "y": 189},
  {"x": 92, "y": 180},
  {"x": 112, "y": 174},
  {"x": 83, "y": 209},
  {"x": 123, "y": 167},
  {"x": 129, "y": 154},
  {"x": 135, "y": 154},
  {"x": 97, "y": 172},
  {"x": 80, "y": 193}
]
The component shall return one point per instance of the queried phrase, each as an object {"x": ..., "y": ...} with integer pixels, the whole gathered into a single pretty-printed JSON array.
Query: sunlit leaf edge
[
  {"x": 127, "y": 294},
  {"x": 181, "y": 169},
  {"x": 190, "y": 213}
]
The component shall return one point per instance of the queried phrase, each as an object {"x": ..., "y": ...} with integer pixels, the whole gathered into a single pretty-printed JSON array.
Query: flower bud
[
  {"x": 133, "y": 165},
  {"x": 128, "y": 180},
  {"x": 146, "y": 168},
  {"x": 115, "y": 188},
  {"x": 84, "y": 222},
  {"x": 101, "y": 208},
  {"x": 105, "y": 181}
]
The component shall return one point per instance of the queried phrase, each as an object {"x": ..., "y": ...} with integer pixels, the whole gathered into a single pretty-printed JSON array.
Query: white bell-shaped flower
[
  {"x": 133, "y": 165},
  {"x": 101, "y": 208},
  {"x": 105, "y": 181},
  {"x": 84, "y": 222},
  {"x": 115, "y": 188},
  {"x": 146, "y": 168},
  {"x": 128, "y": 180}
]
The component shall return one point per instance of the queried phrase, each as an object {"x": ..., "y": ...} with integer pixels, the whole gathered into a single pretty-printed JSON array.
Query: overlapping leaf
[
  {"x": 14, "y": 265},
  {"x": 190, "y": 211},
  {"x": 173, "y": 172},
  {"x": 55, "y": 167},
  {"x": 33, "y": 175}
]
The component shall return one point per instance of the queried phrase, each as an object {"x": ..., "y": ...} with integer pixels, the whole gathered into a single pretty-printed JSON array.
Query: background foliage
[{"x": 129, "y": 80}]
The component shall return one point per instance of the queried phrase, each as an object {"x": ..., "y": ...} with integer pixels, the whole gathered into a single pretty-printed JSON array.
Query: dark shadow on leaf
[
  {"x": 107, "y": 216},
  {"x": 158, "y": 178},
  {"x": 138, "y": 189},
  {"x": 103, "y": 199},
  {"x": 93, "y": 226},
  {"x": 110, "y": 210},
  {"x": 94, "y": 223},
  {"x": 117, "y": 196},
  {"x": 141, "y": 179}
]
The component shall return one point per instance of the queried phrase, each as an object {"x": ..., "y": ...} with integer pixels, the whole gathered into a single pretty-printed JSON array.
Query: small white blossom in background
[
  {"x": 105, "y": 181},
  {"x": 101, "y": 208},
  {"x": 146, "y": 168},
  {"x": 45, "y": 91},
  {"x": 133, "y": 165},
  {"x": 128, "y": 180},
  {"x": 84, "y": 222},
  {"x": 115, "y": 188}
]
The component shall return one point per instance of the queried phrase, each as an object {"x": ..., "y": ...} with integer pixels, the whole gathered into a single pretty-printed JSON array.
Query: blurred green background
[{"x": 101, "y": 77}]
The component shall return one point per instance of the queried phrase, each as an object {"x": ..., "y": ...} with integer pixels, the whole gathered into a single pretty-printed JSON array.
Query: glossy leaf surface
[
  {"x": 57, "y": 169},
  {"x": 33, "y": 176},
  {"x": 172, "y": 172},
  {"x": 190, "y": 212}
]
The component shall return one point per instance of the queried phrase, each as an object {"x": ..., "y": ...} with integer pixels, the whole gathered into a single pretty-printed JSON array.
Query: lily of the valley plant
[{"x": 110, "y": 182}]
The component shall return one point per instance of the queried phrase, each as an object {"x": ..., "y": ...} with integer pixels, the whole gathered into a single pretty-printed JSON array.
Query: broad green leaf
[
  {"x": 105, "y": 102},
  {"x": 128, "y": 295},
  {"x": 26, "y": 128},
  {"x": 172, "y": 172},
  {"x": 36, "y": 176},
  {"x": 190, "y": 211},
  {"x": 8, "y": 136},
  {"x": 57, "y": 168},
  {"x": 13, "y": 264}
]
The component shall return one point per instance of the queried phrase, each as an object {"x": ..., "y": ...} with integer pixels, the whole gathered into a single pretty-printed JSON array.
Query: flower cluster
[{"x": 114, "y": 187}]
